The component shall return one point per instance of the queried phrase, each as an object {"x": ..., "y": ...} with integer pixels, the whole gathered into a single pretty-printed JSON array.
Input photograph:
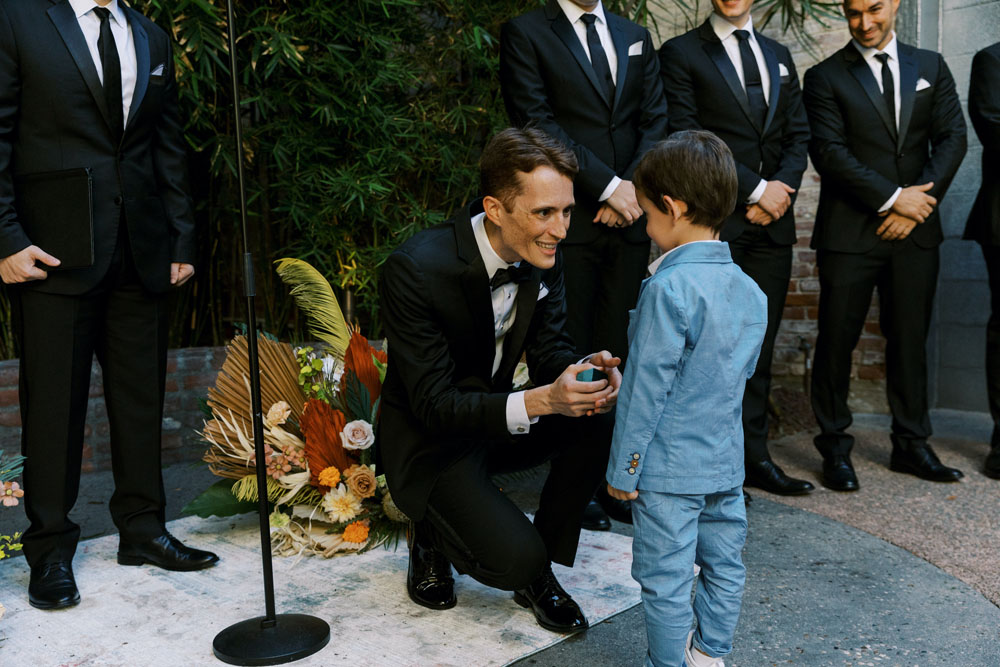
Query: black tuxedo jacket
[
  {"x": 862, "y": 161},
  {"x": 53, "y": 116},
  {"x": 984, "y": 111},
  {"x": 547, "y": 79},
  {"x": 704, "y": 93},
  {"x": 440, "y": 396}
]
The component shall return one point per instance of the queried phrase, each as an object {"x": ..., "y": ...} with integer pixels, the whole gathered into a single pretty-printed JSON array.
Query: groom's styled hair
[{"x": 514, "y": 151}]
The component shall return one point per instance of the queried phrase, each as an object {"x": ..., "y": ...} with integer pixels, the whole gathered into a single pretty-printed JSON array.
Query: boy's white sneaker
[{"x": 695, "y": 658}]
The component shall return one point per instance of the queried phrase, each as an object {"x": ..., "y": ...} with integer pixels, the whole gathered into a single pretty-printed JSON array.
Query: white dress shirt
[
  {"x": 725, "y": 31},
  {"x": 574, "y": 14},
  {"x": 90, "y": 24},
  {"x": 504, "y": 311},
  {"x": 892, "y": 48}
]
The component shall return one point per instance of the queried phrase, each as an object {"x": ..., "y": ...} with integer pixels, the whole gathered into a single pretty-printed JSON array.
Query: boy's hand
[
  {"x": 609, "y": 364},
  {"x": 618, "y": 494}
]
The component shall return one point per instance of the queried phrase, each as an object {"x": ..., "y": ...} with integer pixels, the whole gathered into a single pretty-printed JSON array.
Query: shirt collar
[
  {"x": 724, "y": 29},
  {"x": 892, "y": 48},
  {"x": 659, "y": 260},
  {"x": 81, "y": 7},
  {"x": 491, "y": 259},
  {"x": 573, "y": 12}
]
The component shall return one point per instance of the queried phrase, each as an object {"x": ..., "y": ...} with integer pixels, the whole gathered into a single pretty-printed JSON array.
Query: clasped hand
[
  {"x": 575, "y": 398},
  {"x": 621, "y": 209}
]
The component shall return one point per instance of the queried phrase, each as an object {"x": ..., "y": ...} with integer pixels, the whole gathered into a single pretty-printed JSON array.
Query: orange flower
[
  {"x": 329, "y": 477},
  {"x": 358, "y": 360},
  {"x": 321, "y": 426},
  {"x": 356, "y": 532}
]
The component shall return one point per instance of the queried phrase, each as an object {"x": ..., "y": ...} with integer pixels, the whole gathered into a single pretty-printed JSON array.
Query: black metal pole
[{"x": 271, "y": 639}]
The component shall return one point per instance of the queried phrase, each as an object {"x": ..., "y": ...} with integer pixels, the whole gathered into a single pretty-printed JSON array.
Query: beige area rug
[
  {"x": 955, "y": 526},
  {"x": 146, "y": 616}
]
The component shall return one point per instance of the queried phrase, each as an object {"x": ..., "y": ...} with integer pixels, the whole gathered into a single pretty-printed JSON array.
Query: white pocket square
[
  {"x": 922, "y": 84},
  {"x": 635, "y": 49},
  {"x": 782, "y": 70},
  {"x": 157, "y": 71},
  {"x": 543, "y": 291}
]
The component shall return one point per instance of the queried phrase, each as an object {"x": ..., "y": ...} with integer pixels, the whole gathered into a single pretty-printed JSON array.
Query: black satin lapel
[
  {"x": 141, "y": 43},
  {"x": 717, "y": 52},
  {"x": 527, "y": 297},
  {"x": 476, "y": 286},
  {"x": 64, "y": 18},
  {"x": 859, "y": 68},
  {"x": 621, "y": 48},
  {"x": 562, "y": 27},
  {"x": 774, "y": 72},
  {"x": 908, "y": 77}
]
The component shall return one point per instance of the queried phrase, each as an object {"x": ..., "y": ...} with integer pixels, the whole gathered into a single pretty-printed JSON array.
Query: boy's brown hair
[
  {"x": 513, "y": 151},
  {"x": 695, "y": 167}
]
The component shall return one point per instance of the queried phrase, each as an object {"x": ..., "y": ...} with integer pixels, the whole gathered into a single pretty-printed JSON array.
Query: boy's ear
[{"x": 676, "y": 207}]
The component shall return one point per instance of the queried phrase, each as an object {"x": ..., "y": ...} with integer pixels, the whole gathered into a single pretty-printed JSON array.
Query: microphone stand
[{"x": 272, "y": 639}]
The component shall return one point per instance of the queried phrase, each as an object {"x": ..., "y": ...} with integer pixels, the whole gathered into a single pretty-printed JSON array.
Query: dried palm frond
[
  {"x": 321, "y": 426},
  {"x": 229, "y": 455},
  {"x": 358, "y": 360},
  {"x": 314, "y": 297}
]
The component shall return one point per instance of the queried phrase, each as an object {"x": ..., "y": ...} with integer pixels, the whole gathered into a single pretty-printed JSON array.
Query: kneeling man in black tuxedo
[{"x": 461, "y": 303}]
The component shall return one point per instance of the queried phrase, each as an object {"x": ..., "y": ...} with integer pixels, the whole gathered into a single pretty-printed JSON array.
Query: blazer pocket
[{"x": 157, "y": 79}]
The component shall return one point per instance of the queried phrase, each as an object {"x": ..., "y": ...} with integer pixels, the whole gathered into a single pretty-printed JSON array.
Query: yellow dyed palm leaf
[{"x": 314, "y": 296}]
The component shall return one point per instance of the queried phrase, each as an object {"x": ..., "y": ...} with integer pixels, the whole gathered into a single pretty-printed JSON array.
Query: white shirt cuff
[
  {"x": 517, "y": 415},
  {"x": 892, "y": 200},
  {"x": 610, "y": 190},
  {"x": 757, "y": 193}
]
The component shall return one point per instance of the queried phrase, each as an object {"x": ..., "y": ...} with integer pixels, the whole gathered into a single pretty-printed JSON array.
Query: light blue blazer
[{"x": 694, "y": 339}]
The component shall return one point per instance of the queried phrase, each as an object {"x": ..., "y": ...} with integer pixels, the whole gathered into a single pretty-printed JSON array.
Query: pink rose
[{"x": 357, "y": 435}]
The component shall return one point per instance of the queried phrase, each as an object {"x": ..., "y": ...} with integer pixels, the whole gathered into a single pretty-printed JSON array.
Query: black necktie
[
  {"x": 888, "y": 87},
  {"x": 512, "y": 274},
  {"x": 598, "y": 58},
  {"x": 112, "y": 67},
  {"x": 751, "y": 79}
]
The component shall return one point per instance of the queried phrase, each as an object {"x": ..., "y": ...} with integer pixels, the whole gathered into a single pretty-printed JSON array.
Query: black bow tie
[{"x": 512, "y": 274}]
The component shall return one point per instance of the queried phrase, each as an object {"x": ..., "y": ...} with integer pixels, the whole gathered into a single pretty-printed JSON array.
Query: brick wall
[{"x": 190, "y": 372}]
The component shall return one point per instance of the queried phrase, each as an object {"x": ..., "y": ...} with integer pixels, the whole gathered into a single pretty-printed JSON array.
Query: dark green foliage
[{"x": 218, "y": 500}]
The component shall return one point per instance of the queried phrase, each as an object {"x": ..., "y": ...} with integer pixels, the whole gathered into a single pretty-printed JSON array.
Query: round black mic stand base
[{"x": 258, "y": 641}]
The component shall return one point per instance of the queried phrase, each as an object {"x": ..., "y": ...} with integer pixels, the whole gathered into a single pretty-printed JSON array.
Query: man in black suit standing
[
  {"x": 591, "y": 79},
  {"x": 461, "y": 302},
  {"x": 887, "y": 138},
  {"x": 728, "y": 78},
  {"x": 89, "y": 85},
  {"x": 984, "y": 220}
]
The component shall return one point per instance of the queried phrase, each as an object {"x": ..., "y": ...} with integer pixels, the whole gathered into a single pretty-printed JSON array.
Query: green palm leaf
[{"x": 314, "y": 296}]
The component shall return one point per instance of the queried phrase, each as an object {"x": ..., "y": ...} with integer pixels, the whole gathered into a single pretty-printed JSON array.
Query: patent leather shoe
[
  {"x": 429, "y": 581},
  {"x": 768, "y": 476},
  {"x": 52, "y": 586},
  {"x": 838, "y": 473},
  {"x": 165, "y": 551},
  {"x": 991, "y": 467},
  {"x": 921, "y": 461},
  {"x": 594, "y": 517},
  {"x": 552, "y": 606},
  {"x": 619, "y": 510}
]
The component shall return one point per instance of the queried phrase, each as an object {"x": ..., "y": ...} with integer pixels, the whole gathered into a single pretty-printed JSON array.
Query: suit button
[
  {"x": 613, "y": 127},
  {"x": 118, "y": 200},
  {"x": 631, "y": 471},
  {"x": 636, "y": 456},
  {"x": 900, "y": 155}
]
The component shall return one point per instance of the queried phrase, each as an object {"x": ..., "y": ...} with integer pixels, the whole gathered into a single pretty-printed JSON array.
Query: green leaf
[{"x": 218, "y": 500}]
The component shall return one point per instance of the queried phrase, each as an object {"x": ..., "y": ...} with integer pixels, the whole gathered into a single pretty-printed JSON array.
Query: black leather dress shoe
[
  {"x": 429, "y": 582},
  {"x": 768, "y": 476},
  {"x": 992, "y": 465},
  {"x": 165, "y": 551},
  {"x": 554, "y": 609},
  {"x": 619, "y": 510},
  {"x": 921, "y": 461},
  {"x": 594, "y": 517},
  {"x": 52, "y": 586},
  {"x": 838, "y": 474}
]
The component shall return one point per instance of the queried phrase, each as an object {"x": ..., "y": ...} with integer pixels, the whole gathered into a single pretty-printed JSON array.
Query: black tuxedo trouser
[
  {"x": 992, "y": 256},
  {"x": 485, "y": 535},
  {"x": 602, "y": 285},
  {"x": 770, "y": 266},
  {"x": 58, "y": 335},
  {"x": 906, "y": 277}
]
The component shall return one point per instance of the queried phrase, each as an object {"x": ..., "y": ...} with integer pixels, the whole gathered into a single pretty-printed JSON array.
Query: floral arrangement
[
  {"x": 10, "y": 495},
  {"x": 321, "y": 405}
]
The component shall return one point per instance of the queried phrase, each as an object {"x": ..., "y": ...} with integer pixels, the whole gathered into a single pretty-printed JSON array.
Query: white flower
[
  {"x": 332, "y": 369},
  {"x": 278, "y": 414},
  {"x": 341, "y": 505},
  {"x": 357, "y": 434}
]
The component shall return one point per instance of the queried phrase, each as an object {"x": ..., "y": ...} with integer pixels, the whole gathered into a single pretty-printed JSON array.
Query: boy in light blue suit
[{"x": 677, "y": 451}]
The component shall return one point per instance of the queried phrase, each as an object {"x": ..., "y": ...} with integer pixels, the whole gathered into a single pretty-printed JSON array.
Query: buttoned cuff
[
  {"x": 624, "y": 474},
  {"x": 757, "y": 193},
  {"x": 892, "y": 200},
  {"x": 610, "y": 190},
  {"x": 517, "y": 415}
]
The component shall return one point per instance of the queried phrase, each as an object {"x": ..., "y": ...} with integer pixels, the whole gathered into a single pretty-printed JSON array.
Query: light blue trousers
[{"x": 672, "y": 533}]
